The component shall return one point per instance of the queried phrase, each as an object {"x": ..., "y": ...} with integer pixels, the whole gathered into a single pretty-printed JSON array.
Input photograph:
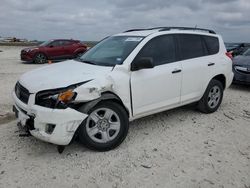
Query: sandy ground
[{"x": 176, "y": 148}]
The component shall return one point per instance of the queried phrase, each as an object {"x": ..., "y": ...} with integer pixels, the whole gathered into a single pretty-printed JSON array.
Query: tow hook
[
  {"x": 60, "y": 149},
  {"x": 25, "y": 131}
]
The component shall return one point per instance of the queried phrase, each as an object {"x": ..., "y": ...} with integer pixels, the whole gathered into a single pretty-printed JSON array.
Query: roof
[
  {"x": 146, "y": 32},
  {"x": 62, "y": 39}
]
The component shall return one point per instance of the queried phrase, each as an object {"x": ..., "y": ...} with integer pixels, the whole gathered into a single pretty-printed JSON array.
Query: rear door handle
[
  {"x": 210, "y": 64},
  {"x": 176, "y": 71}
]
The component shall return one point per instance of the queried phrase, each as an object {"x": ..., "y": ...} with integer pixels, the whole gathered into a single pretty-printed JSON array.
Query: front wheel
[
  {"x": 40, "y": 58},
  {"x": 105, "y": 128},
  {"x": 212, "y": 97}
]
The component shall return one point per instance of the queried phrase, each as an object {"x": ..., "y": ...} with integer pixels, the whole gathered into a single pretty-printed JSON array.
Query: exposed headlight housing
[
  {"x": 57, "y": 98},
  {"x": 66, "y": 96}
]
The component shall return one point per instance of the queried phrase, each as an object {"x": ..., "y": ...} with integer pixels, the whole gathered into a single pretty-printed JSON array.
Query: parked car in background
[
  {"x": 124, "y": 77},
  {"x": 241, "y": 68},
  {"x": 237, "y": 48},
  {"x": 58, "y": 49}
]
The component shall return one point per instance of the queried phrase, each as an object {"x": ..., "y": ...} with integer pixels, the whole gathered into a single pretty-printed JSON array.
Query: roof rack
[
  {"x": 154, "y": 28},
  {"x": 131, "y": 30},
  {"x": 169, "y": 28},
  {"x": 188, "y": 28}
]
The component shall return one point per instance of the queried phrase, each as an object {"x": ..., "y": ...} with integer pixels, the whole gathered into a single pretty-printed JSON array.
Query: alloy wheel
[
  {"x": 40, "y": 59},
  {"x": 103, "y": 125},
  {"x": 214, "y": 96}
]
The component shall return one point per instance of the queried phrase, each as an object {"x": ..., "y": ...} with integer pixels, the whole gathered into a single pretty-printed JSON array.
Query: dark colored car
[
  {"x": 241, "y": 68},
  {"x": 53, "y": 50},
  {"x": 237, "y": 48}
]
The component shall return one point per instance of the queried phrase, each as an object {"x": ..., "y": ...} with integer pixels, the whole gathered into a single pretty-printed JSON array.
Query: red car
[{"x": 53, "y": 50}]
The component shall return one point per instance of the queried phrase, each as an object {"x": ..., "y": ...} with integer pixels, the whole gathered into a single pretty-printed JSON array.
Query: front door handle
[
  {"x": 210, "y": 64},
  {"x": 176, "y": 71}
]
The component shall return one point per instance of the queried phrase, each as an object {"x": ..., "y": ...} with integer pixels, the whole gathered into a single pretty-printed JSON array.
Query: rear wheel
[
  {"x": 40, "y": 58},
  {"x": 79, "y": 54},
  {"x": 105, "y": 128},
  {"x": 212, "y": 97}
]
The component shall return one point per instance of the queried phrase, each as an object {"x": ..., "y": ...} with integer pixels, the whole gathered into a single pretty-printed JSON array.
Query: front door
[
  {"x": 158, "y": 88},
  {"x": 55, "y": 50}
]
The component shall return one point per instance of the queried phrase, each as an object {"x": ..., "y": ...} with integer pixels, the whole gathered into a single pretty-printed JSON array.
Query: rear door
[
  {"x": 69, "y": 48},
  {"x": 158, "y": 88},
  {"x": 196, "y": 65}
]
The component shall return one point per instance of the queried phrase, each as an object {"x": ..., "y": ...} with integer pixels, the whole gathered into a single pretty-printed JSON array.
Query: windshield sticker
[{"x": 133, "y": 39}]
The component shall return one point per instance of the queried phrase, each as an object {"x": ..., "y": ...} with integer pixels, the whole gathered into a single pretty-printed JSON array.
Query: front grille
[
  {"x": 23, "y": 52},
  {"x": 22, "y": 93}
]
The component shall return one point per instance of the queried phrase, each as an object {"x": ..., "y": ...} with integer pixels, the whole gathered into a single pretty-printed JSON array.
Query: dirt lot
[{"x": 177, "y": 148}]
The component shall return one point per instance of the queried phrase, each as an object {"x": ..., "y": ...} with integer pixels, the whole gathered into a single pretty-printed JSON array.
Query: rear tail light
[{"x": 229, "y": 54}]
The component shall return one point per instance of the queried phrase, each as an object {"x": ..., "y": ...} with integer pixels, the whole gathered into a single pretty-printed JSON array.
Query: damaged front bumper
[{"x": 56, "y": 126}]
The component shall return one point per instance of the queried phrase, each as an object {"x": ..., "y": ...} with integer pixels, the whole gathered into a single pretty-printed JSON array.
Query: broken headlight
[{"x": 57, "y": 98}]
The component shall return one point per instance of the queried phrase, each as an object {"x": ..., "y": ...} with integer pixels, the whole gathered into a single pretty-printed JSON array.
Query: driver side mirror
[
  {"x": 51, "y": 46},
  {"x": 142, "y": 63}
]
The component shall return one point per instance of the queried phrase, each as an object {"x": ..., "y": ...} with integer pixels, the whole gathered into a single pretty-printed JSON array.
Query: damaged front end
[
  {"x": 52, "y": 125},
  {"x": 55, "y": 115},
  {"x": 58, "y": 98}
]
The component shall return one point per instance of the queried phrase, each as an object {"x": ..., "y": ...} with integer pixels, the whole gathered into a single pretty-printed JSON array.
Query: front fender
[
  {"x": 91, "y": 93},
  {"x": 89, "y": 105},
  {"x": 93, "y": 89}
]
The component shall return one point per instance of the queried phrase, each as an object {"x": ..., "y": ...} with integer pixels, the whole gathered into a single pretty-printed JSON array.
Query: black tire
[
  {"x": 121, "y": 134},
  {"x": 40, "y": 58},
  {"x": 203, "y": 104}
]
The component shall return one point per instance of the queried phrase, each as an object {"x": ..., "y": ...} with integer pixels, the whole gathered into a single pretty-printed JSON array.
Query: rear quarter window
[{"x": 212, "y": 44}]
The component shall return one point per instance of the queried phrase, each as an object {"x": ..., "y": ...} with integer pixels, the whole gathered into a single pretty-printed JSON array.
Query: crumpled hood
[{"x": 61, "y": 75}]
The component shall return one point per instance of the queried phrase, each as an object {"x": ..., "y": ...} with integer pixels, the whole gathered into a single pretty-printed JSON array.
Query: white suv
[{"x": 124, "y": 77}]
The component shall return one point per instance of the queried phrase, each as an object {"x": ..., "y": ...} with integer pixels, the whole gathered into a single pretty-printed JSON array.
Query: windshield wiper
[
  {"x": 108, "y": 64},
  {"x": 96, "y": 63},
  {"x": 88, "y": 62},
  {"x": 85, "y": 61}
]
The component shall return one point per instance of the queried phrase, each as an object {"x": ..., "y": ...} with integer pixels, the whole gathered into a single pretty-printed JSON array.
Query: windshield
[
  {"x": 247, "y": 53},
  {"x": 111, "y": 51},
  {"x": 45, "y": 43}
]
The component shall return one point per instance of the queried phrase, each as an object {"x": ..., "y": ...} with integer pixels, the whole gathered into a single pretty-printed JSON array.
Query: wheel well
[
  {"x": 222, "y": 79},
  {"x": 105, "y": 96},
  {"x": 115, "y": 98}
]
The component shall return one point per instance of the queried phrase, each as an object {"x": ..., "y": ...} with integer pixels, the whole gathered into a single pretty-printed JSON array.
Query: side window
[
  {"x": 212, "y": 44},
  {"x": 66, "y": 43},
  {"x": 55, "y": 43},
  {"x": 58, "y": 43},
  {"x": 161, "y": 49},
  {"x": 190, "y": 46}
]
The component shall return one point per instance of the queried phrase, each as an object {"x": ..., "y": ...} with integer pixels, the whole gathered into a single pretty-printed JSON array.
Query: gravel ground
[{"x": 176, "y": 148}]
